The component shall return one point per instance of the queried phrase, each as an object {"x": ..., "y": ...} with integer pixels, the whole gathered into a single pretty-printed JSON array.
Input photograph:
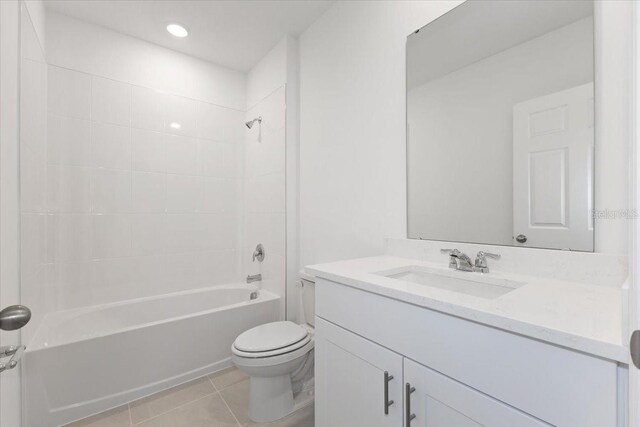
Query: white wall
[
  {"x": 137, "y": 208},
  {"x": 613, "y": 87},
  {"x": 352, "y": 126},
  {"x": 461, "y": 134},
  {"x": 272, "y": 85}
]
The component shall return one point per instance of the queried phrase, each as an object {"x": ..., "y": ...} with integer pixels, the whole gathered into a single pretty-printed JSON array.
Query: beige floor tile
[
  {"x": 210, "y": 411},
  {"x": 237, "y": 397},
  {"x": 167, "y": 400},
  {"x": 227, "y": 377},
  {"x": 302, "y": 418},
  {"x": 118, "y": 417}
]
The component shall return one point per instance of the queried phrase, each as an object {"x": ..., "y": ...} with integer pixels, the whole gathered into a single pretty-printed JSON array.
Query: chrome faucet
[
  {"x": 458, "y": 260},
  {"x": 480, "y": 264}
]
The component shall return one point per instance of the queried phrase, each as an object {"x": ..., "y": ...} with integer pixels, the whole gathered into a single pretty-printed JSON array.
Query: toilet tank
[{"x": 308, "y": 292}]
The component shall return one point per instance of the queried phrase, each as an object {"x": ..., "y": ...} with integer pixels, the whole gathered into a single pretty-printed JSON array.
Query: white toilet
[{"x": 278, "y": 357}]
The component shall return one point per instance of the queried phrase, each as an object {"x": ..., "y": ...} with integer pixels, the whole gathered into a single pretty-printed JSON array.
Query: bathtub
[{"x": 85, "y": 361}]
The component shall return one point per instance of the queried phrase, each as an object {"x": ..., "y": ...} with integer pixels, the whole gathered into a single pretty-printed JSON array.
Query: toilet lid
[{"x": 270, "y": 336}]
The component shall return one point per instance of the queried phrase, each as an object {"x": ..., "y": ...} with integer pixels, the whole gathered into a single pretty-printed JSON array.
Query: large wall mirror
[{"x": 500, "y": 132}]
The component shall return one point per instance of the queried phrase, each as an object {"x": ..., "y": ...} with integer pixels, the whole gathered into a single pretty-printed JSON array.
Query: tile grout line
[
  {"x": 166, "y": 412},
  {"x": 224, "y": 401},
  {"x": 130, "y": 419},
  {"x": 176, "y": 408}
]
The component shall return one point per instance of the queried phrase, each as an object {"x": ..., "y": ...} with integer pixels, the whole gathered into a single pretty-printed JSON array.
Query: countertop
[{"x": 582, "y": 317}]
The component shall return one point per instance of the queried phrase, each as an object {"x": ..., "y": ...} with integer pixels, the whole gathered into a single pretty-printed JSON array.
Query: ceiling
[
  {"x": 478, "y": 29},
  {"x": 235, "y": 34}
]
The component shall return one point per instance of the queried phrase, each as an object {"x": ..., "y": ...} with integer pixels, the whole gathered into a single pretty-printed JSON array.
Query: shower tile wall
[
  {"x": 144, "y": 191},
  {"x": 33, "y": 138},
  {"x": 265, "y": 190}
]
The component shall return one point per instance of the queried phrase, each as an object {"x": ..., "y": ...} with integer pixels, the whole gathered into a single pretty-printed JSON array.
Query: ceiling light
[
  {"x": 175, "y": 125},
  {"x": 177, "y": 30}
]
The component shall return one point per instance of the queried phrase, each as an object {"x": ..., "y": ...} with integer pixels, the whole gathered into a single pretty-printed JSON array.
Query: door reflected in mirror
[{"x": 500, "y": 125}]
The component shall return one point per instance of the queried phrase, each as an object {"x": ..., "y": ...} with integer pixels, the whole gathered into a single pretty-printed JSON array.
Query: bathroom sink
[{"x": 476, "y": 284}]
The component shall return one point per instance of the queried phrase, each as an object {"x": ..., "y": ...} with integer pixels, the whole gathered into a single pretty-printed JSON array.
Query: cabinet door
[
  {"x": 350, "y": 380},
  {"x": 434, "y": 400}
]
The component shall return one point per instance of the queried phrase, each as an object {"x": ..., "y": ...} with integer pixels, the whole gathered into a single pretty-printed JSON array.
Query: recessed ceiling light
[
  {"x": 175, "y": 125},
  {"x": 177, "y": 30}
]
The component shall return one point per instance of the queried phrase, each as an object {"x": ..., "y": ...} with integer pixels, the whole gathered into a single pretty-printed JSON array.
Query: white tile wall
[
  {"x": 110, "y": 101},
  {"x": 182, "y": 155},
  {"x": 33, "y": 178},
  {"x": 68, "y": 188},
  {"x": 68, "y": 141},
  {"x": 111, "y": 146},
  {"x": 149, "y": 150},
  {"x": 111, "y": 191},
  {"x": 135, "y": 207},
  {"x": 264, "y": 211},
  {"x": 69, "y": 93}
]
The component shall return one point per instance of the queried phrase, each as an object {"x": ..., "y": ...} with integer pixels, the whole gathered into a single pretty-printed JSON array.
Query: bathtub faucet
[{"x": 254, "y": 278}]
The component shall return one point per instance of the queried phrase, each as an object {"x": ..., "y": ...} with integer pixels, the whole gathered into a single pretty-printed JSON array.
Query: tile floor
[{"x": 216, "y": 400}]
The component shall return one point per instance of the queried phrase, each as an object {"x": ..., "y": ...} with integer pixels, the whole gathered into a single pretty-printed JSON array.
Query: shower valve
[{"x": 258, "y": 254}]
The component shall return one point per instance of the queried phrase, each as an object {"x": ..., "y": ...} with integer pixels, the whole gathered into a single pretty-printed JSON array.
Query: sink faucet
[{"x": 458, "y": 260}]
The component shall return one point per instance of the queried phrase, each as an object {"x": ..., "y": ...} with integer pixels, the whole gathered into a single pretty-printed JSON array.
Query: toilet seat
[{"x": 271, "y": 339}]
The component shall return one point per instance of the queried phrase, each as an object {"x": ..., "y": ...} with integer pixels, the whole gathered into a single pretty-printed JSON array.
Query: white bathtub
[{"x": 84, "y": 361}]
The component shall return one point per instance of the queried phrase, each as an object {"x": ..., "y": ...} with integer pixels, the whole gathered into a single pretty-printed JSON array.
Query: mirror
[{"x": 500, "y": 125}]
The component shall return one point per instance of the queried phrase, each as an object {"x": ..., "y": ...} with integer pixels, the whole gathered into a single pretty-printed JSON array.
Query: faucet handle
[
  {"x": 483, "y": 254},
  {"x": 480, "y": 263},
  {"x": 453, "y": 254}
]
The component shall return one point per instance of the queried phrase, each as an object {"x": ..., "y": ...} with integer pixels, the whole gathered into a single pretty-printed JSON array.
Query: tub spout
[{"x": 254, "y": 278}]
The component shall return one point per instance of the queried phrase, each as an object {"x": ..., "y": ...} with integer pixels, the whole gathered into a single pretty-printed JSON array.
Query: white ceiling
[
  {"x": 478, "y": 29},
  {"x": 235, "y": 34}
]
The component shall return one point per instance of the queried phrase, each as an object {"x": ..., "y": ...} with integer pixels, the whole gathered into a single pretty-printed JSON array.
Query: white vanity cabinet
[
  {"x": 361, "y": 384},
  {"x": 434, "y": 400},
  {"x": 461, "y": 373}
]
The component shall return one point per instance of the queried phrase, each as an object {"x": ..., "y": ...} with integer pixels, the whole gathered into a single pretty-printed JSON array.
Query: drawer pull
[
  {"x": 409, "y": 416},
  {"x": 387, "y": 402}
]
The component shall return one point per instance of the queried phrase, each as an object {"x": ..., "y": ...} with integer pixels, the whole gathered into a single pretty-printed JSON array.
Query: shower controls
[
  {"x": 258, "y": 254},
  {"x": 14, "y": 317}
]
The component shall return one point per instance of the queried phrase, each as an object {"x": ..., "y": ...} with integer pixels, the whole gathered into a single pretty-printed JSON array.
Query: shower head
[{"x": 250, "y": 123}]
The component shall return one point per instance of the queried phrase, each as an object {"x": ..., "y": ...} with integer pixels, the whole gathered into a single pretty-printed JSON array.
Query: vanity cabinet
[
  {"x": 463, "y": 373},
  {"x": 360, "y": 383},
  {"x": 435, "y": 400},
  {"x": 356, "y": 376}
]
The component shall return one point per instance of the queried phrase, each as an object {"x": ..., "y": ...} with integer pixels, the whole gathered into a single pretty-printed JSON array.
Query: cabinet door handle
[
  {"x": 408, "y": 415},
  {"x": 387, "y": 402}
]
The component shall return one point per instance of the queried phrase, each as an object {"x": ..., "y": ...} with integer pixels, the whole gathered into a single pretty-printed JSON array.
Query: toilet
[{"x": 278, "y": 357}]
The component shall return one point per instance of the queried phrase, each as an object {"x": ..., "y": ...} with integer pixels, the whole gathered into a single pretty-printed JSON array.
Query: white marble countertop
[{"x": 578, "y": 316}]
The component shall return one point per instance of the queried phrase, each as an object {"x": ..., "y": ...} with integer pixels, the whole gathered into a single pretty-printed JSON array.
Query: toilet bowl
[{"x": 278, "y": 357}]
